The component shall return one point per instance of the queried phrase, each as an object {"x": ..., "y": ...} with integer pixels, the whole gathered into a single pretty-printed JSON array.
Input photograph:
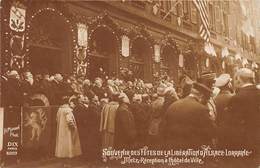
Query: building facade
[{"x": 147, "y": 38}]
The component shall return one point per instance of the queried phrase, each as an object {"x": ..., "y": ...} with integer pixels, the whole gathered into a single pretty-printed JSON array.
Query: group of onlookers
[{"x": 220, "y": 112}]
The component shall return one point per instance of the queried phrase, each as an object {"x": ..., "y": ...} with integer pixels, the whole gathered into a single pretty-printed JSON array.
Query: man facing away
[
  {"x": 244, "y": 114},
  {"x": 187, "y": 122}
]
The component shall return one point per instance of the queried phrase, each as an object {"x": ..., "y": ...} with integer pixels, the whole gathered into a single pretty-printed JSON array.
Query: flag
[
  {"x": 172, "y": 8},
  {"x": 201, "y": 6}
]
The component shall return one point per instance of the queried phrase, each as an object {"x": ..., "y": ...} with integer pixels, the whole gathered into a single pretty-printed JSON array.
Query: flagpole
[{"x": 171, "y": 9}]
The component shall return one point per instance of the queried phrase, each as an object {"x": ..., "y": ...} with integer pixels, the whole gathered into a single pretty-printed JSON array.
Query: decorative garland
[{"x": 67, "y": 20}]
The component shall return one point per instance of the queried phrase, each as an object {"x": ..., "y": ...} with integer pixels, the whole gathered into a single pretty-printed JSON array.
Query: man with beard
[{"x": 187, "y": 121}]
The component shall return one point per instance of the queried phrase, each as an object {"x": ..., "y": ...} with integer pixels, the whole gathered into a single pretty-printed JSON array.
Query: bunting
[{"x": 201, "y": 6}]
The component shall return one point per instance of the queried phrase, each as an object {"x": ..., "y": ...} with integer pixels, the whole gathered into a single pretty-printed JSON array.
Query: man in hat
[
  {"x": 156, "y": 118},
  {"x": 98, "y": 88},
  {"x": 57, "y": 88},
  {"x": 129, "y": 90},
  {"x": 223, "y": 82},
  {"x": 244, "y": 113},
  {"x": 187, "y": 123},
  {"x": 125, "y": 129},
  {"x": 141, "y": 114},
  {"x": 46, "y": 86},
  {"x": 208, "y": 79}
]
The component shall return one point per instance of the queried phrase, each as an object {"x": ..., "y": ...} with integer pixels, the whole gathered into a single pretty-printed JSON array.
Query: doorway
[{"x": 103, "y": 54}]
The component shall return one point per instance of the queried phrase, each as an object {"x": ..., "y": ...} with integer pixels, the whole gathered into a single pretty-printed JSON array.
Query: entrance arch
[
  {"x": 103, "y": 53},
  {"x": 141, "y": 56},
  {"x": 50, "y": 43}
]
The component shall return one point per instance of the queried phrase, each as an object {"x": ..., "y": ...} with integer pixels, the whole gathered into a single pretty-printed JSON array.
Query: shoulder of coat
[{"x": 258, "y": 87}]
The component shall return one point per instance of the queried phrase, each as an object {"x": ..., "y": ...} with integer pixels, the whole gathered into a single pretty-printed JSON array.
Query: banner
[
  {"x": 157, "y": 53},
  {"x": 125, "y": 46},
  {"x": 82, "y": 35},
  {"x": 17, "y": 17},
  {"x": 12, "y": 132}
]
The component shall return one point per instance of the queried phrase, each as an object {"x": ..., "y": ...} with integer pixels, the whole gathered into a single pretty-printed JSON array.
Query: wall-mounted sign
[
  {"x": 223, "y": 64},
  {"x": 125, "y": 46},
  {"x": 181, "y": 60},
  {"x": 82, "y": 35},
  {"x": 207, "y": 62},
  {"x": 17, "y": 17},
  {"x": 156, "y": 53}
]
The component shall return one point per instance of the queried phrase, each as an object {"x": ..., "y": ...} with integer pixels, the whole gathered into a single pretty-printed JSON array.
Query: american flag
[{"x": 204, "y": 32}]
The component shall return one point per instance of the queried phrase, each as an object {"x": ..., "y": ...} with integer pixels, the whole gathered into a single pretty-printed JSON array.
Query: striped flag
[{"x": 204, "y": 32}]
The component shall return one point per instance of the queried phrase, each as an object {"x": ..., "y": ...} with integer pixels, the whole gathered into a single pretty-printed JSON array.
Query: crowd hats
[
  {"x": 58, "y": 77},
  {"x": 245, "y": 72},
  {"x": 137, "y": 98},
  {"x": 161, "y": 89},
  {"x": 202, "y": 88},
  {"x": 205, "y": 82},
  {"x": 222, "y": 80},
  {"x": 207, "y": 78},
  {"x": 123, "y": 97},
  {"x": 12, "y": 74}
]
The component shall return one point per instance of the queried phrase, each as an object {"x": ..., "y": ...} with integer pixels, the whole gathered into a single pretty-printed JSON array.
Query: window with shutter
[
  {"x": 186, "y": 10},
  {"x": 225, "y": 23},
  {"x": 212, "y": 17},
  {"x": 165, "y": 7},
  {"x": 180, "y": 9},
  {"x": 175, "y": 7},
  {"x": 218, "y": 17},
  {"x": 193, "y": 13}
]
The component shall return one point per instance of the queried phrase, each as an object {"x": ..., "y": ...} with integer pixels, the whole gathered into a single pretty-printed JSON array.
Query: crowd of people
[{"x": 98, "y": 114}]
